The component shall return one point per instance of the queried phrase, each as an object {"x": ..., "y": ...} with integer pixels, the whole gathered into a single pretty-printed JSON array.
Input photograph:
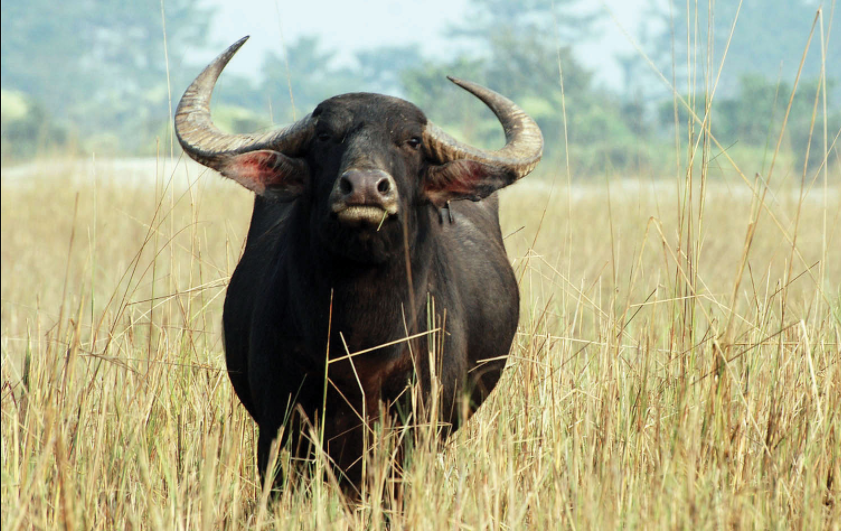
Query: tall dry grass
[
  {"x": 676, "y": 366},
  {"x": 623, "y": 403}
]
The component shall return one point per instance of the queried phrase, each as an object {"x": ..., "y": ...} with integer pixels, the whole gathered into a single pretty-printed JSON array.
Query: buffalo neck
[{"x": 372, "y": 304}]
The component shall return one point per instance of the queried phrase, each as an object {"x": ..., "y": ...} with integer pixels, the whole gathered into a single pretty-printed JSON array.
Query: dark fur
[{"x": 298, "y": 256}]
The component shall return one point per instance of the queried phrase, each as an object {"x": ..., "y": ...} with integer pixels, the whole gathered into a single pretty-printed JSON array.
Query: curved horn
[
  {"x": 523, "y": 140},
  {"x": 206, "y": 144}
]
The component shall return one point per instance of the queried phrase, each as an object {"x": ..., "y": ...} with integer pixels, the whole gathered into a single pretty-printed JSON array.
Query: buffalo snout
[{"x": 364, "y": 195}]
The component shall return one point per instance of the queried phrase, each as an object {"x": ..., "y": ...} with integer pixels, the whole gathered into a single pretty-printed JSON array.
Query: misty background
[{"x": 103, "y": 77}]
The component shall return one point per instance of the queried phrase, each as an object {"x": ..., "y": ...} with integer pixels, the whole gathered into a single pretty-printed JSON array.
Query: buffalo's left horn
[
  {"x": 523, "y": 140},
  {"x": 206, "y": 144}
]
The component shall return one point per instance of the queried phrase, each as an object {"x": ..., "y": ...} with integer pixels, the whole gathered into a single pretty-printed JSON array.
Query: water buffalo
[{"x": 359, "y": 231}]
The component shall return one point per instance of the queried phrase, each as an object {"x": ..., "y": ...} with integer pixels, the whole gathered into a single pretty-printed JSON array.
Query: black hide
[{"x": 300, "y": 259}]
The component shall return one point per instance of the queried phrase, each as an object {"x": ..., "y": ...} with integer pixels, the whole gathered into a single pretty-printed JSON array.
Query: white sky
[{"x": 347, "y": 26}]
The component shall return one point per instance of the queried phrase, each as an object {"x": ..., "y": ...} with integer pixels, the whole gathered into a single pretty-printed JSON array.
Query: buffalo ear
[
  {"x": 267, "y": 173},
  {"x": 465, "y": 179}
]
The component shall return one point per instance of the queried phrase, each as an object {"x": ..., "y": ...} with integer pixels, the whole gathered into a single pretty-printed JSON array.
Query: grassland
[{"x": 676, "y": 366}]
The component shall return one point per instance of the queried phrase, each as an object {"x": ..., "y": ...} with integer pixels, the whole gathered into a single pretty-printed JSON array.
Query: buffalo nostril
[
  {"x": 345, "y": 185},
  {"x": 383, "y": 186}
]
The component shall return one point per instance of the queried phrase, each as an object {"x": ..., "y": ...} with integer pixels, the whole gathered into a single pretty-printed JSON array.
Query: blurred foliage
[
  {"x": 561, "y": 18},
  {"x": 768, "y": 39},
  {"x": 306, "y": 77},
  {"x": 380, "y": 68},
  {"x": 97, "y": 71},
  {"x": 548, "y": 81},
  {"x": 754, "y": 116},
  {"x": 100, "y": 68},
  {"x": 26, "y": 127}
]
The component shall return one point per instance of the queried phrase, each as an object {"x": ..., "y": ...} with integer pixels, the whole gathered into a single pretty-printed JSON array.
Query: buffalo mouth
[
  {"x": 362, "y": 233},
  {"x": 358, "y": 215}
]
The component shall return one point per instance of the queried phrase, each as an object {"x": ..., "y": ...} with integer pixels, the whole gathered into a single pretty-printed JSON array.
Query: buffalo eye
[
  {"x": 324, "y": 137},
  {"x": 414, "y": 142}
]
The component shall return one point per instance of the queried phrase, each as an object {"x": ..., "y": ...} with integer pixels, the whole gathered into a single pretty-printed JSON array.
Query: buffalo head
[{"x": 361, "y": 163}]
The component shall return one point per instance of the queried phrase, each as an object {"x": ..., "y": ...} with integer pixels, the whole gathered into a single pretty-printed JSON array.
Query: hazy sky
[{"x": 346, "y": 27}]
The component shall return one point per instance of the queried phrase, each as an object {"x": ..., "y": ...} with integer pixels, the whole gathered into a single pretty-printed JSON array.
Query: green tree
[
  {"x": 311, "y": 77},
  {"x": 26, "y": 128},
  {"x": 549, "y": 18},
  {"x": 519, "y": 52},
  {"x": 769, "y": 39},
  {"x": 380, "y": 68},
  {"x": 100, "y": 66},
  {"x": 754, "y": 115}
]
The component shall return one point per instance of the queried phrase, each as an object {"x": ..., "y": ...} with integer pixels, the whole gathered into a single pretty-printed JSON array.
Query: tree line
[{"x": 94, "y": 76}]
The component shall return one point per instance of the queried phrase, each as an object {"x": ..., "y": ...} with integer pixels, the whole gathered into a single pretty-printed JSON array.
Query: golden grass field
[{"x": 666, "y": 374}]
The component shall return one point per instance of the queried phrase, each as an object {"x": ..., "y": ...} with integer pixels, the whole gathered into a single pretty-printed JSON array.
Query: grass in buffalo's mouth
[{"x": 373, "y": 215}]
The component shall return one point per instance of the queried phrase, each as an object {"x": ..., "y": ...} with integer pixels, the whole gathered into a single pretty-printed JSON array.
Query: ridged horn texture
[
  {"x": 206, "y": 144},
  {"x": 523, "y": 140}
]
